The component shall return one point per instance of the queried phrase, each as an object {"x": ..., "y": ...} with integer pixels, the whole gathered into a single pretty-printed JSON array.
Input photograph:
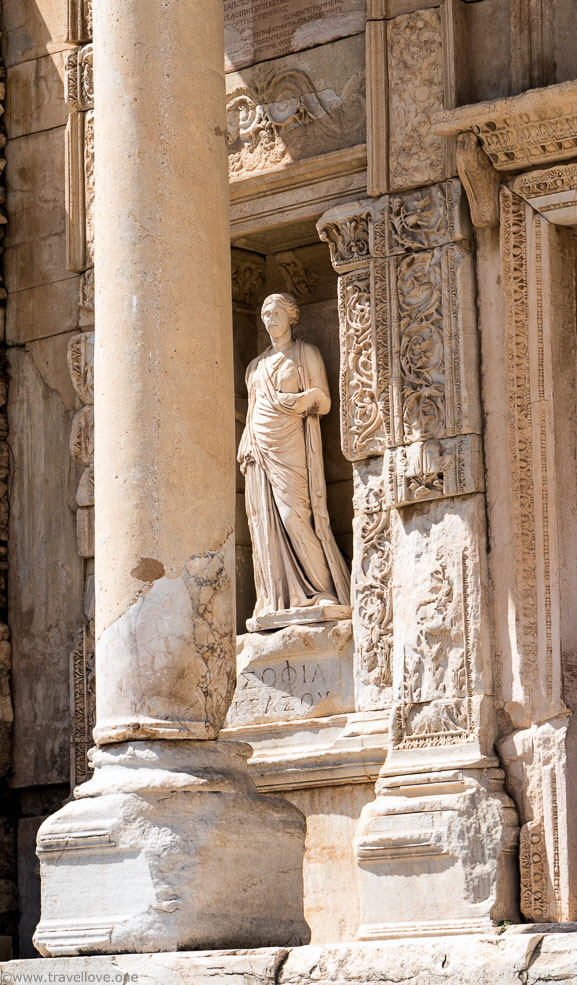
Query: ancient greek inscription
[
  {"x": 291, "y": 689},
  {"x": 256, "y": 30}
]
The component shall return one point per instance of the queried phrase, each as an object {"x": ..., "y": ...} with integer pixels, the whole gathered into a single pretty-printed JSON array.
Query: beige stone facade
[{"x": 326, "y": 787}]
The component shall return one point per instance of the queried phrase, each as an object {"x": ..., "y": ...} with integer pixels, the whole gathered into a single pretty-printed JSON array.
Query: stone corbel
[{"x": 480, "y": 180}]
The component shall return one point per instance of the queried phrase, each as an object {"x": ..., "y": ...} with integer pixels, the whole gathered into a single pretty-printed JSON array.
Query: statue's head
[{"x": 280, "y": 312}]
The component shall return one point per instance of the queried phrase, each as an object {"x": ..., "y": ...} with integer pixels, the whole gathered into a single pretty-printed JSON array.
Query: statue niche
[{"x": 300, "y": 574}]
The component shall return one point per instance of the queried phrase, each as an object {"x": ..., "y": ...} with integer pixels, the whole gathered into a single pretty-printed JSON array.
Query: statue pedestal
[
  {"x": 298, "y": 672},
  {"x": 301, "y": 616},
  {"x": 169, "y": 847}
]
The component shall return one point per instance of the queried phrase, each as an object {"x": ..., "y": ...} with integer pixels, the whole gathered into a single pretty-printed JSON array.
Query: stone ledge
[{"x": 522, "y": 954}]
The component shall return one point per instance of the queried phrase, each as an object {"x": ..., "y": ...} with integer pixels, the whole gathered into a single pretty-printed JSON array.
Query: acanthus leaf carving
[
  {"x": 348, "y": 238},
  {"x": 80, "y": 357},
  {"x": 373, "y": 613},
  {"x": 247, "y": 275},
  {"x": 79, "y": 83}
]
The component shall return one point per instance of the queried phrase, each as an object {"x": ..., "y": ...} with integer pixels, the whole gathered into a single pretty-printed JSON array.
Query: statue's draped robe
[{"x": 296, "y": 559}]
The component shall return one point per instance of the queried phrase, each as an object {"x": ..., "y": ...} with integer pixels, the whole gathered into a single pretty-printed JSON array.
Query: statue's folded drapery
[{"x": 296, "y": 559}]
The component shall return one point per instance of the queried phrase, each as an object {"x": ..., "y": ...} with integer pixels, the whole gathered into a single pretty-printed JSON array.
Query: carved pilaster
[
  {"x": 79, "y": 95},
  {"x": 347, "y": 231},
  {"x": 532, "y": 568}
]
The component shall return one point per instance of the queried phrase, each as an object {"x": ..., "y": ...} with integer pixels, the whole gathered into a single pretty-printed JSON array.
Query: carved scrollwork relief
[
  {"x": 373, "y": 613},
  {"x": 271, "y": 123}
]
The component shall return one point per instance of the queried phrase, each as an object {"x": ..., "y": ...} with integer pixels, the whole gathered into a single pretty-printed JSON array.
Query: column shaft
[{"x": 164, "y": 453}]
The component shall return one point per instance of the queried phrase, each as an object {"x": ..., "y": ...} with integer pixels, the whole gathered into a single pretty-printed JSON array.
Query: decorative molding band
[
  {"x": 536, "y": 127},
  {"x": 552, "y": 192}
]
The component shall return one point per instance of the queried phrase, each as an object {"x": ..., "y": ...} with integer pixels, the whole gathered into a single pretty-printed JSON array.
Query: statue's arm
[{"x": 316, "y": 399}]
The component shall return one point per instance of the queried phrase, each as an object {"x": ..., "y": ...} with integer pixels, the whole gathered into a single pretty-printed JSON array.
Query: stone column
[{"x": 169, "y": 846}]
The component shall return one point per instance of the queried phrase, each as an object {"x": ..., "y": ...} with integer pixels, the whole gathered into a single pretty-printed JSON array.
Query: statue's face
[{"x": 276, "y": 320}]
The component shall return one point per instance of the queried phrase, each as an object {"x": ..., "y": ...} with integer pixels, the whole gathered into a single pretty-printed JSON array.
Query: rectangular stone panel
[
  {"x": 35, "y": 96},
  {"x": 427, "y": 347},
  {"x": 258, "y": 30},
  {"x": 35, "y": 251},
  {"x": 442, "y": 646},
  {"x": 293, "y": 673},
  {"x": 46, "y": 578},
  {"x": 278, "y": 113},
  {"x": 416, "y": 91},
  {"x": 38, "y": 312},
  {"x": 31, "y": 30}
]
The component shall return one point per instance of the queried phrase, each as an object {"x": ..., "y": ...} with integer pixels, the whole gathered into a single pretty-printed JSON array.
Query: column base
[
  {"x": 170, "y": 847},
  {"x": 438, "y": 854}
]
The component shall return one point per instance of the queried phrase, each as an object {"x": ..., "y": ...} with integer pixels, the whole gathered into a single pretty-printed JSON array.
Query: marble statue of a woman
[{"x": 297, "y": 564}]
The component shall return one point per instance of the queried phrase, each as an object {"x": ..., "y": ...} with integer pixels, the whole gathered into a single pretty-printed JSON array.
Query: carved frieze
[
  {"x": 83, "y": 702},
  {"x": 552, "y": 192},
  {"x": 524, "y": 239},
  {"x": 533, "y": 871},
  {"x": 81, "y": 365},
  {"x": 536, "y": 127},
  {"x": 278, "y": 114},
  {"x": 416, "y": 92},
  {"x": 409, "y": 360},
  {"x": 432, "y": 362},
  {"x": 79, "y": 84},
  {"x": 299, "y": 280},
  {"x": 362, "y": 431},
  {"x": 420, "y": 219},
  {"x": 80, "y": 190}
]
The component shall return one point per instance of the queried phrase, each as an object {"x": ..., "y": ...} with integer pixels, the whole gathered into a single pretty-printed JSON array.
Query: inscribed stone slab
[{"x": 256, "y": 30}]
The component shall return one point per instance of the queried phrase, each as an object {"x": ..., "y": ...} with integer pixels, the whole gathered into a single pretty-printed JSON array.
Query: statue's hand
[{"x": 244, "y": 462}]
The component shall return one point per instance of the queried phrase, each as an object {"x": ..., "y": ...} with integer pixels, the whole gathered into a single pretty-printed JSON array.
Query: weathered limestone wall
[{"x": 45, "y": 590}]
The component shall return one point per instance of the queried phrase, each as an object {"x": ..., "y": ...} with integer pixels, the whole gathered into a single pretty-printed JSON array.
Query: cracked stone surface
[
  {"x": 513, "y": 958},
  {"x": 166, "y": 666}
]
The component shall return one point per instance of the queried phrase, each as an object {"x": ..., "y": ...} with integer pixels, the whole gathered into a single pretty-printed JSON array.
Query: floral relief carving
[
  {"x": 421, "y": 354},
  {"x": 535, "y": 904},
  {"x": 373, "y": 615},
  {"x": 361, "y": 423},
  {"x": 79, "y": 79},
  {"x": 348, "y": 239},
  {"x": 298, "y": 279},
  {"x": 415, "y": 73},
  {"x": 247, "y": 274}
]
